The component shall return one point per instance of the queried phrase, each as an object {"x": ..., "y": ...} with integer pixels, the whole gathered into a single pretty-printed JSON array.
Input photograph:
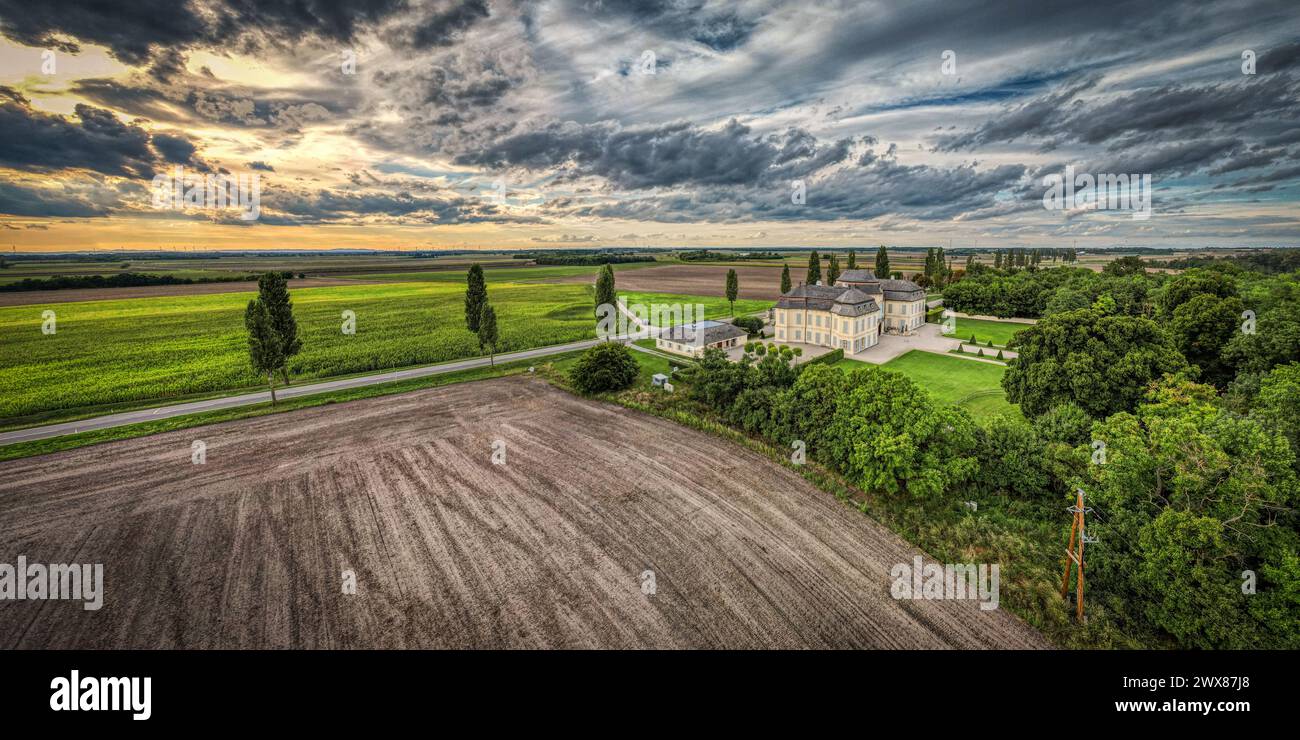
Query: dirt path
[
  {"x": 450, "y": 550},
  {"x": 33, "y": 297}
]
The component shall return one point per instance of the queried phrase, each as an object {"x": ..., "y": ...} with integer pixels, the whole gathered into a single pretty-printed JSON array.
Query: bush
[
  {"x": 830, "y": 358},
  {"x": 609, "y": 366},
  {"x": 760, "y": 349},
  {"x": 751, "y": 324},
  {"x": 1000, "y": 357}
]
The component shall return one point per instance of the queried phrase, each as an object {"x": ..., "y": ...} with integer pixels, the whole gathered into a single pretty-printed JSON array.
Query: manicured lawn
[
  {"x": 110, "y": 355},
  {"x": 999, "y": 331},
  {"x": 975, "y": 386}
]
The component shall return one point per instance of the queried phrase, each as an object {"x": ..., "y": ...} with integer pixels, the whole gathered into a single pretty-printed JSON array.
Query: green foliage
[
  {"x": 1278, "y": 403},
  {"x": 833, "y": 270},
  {"x": 1101, "y": 363},
  {"x": 814, "y": 269},
  {"x": 606, "y": 367},
  {"x": 785, "y": 279},
  {"x": 751, "y": 324},
  {"x": 605, "y": 292},
  {"x": 888, "y": 435},
  {"x": 853, "y": 261},
  {"x": 273, "y": 292},
  {"x": 265, "y": 348},
  {"x": 487, "y": 330},
  {"x": 830, "y": 358},
  {"x": 882, "y": 262},
  {"x": 1065, "y": 422},
  {"x": 1202, "y": 327},
  {"x": 1010, "y": 455},
  {"x": 1189, "y": 498},
  {"x": 475, "y": 297},
  {"x": 1183, "y": 288},
  {"x": 733, "y": 289}
]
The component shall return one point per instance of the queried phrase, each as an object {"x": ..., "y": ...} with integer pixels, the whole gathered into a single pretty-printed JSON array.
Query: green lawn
[
  {"x": 975, "y": 386},
  {"x": 110, "y": 355},
  {"x": 999, "y": 331}
]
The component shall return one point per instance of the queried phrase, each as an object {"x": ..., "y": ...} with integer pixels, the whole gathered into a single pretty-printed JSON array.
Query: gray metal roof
[
  {"x": 709, "y": 334},
  {"x": 858, "y": 276},
  {"x": 839, "y": 299},
  {"x": 902, "y": 290}
]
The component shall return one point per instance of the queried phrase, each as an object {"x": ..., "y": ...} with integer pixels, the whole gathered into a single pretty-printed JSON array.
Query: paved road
[{"x": 248, "y": 399}]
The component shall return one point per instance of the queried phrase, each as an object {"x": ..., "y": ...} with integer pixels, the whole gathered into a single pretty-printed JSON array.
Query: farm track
[{"x": 449, "y": 550}]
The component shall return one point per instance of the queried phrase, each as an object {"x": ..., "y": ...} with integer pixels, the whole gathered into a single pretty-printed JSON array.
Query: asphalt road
[{"x": 248, "y": 399}]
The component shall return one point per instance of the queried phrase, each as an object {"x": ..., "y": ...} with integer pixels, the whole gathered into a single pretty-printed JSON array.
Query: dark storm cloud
[
  {"x": 132, "y": 30},
  {"x": 443, "y": 25},
  {"x": 76, "y": 199},
  {"x": 721, "y": 29},
  {"x": 96, "y": 140},
  {"x": 331, "y": 205},
  {"x": 673, "y": 154},
  {"x": 191, "y": 102},
  {"x": 179, "y": 150}
]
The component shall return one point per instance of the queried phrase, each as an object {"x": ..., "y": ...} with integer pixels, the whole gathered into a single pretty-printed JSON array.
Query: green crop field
[
  {"x": 999, "y": 331},
  {"x": 125, "y": 352},
  {"x": 975, "y": 386},
  {"x": 714, "y": 307}
]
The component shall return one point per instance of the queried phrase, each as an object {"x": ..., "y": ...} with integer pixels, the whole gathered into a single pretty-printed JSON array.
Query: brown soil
[
  {"x": 33, "y": 297},
  {"x": 757, "y": 283},
  {"x": 450, "y": 550}
]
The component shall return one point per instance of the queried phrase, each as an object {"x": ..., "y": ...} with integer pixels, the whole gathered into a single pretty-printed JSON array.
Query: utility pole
[{"x": 1077, "y": 530}]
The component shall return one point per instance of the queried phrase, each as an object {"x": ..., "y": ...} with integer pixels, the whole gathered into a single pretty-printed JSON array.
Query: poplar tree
[
  {"x": 814, "y": 268},
  {"x": 475, "y": 297}
]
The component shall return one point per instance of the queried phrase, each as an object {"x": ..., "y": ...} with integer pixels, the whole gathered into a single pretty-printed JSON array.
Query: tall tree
[
  {"x": 814, "y": 268},
  {"x": 997, "y": 259},
  {"x": 487, "y": 331},
  {"x": 940, "y": 269},
  {"x": 733, "y": 289},
  {"x": 882, "y": 262},
  {"x": 605, "y": 287},
  {"x": 264, "y": 348},
  {"x": 853, "y": 260},
  {"x": 475, "y": 297},
  {"x": 833, "y": 270},
  {"x": 273, "y": 292},
  {"x": 928, "y": 271},
  {"x": 785, "y": 279}
]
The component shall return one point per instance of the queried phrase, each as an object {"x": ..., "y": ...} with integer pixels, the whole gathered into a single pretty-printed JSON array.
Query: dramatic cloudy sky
[{"x": 651, "y": 122}]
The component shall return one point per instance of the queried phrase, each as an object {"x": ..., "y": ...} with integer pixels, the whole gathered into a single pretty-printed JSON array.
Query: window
[
  {"x": 780, "y": 317},
  {"x": 780, "y": 333},
  {"x": 796, "y": 335}
]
